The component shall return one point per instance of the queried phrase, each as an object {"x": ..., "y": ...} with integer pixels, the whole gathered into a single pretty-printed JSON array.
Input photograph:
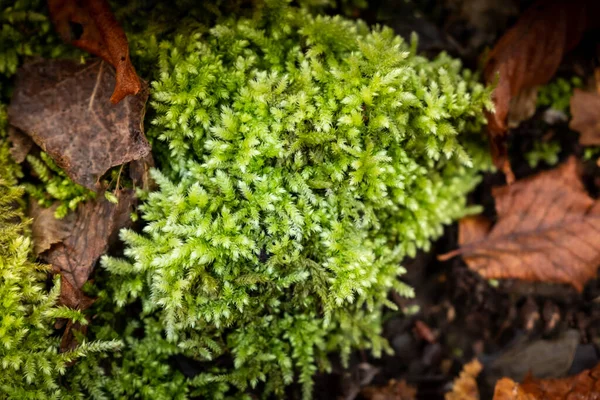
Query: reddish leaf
[
  {"x": 61, "y": 106},
  {"x": 526, "y": 56},
  {"x": 585, "y": 109},
  {"x": 100, "y": 35},
  {"x": 548, "y": 230},
  {"x": 585, "y": 385}
]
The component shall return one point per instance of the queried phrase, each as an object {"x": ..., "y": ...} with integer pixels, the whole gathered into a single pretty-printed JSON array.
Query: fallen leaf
[
  {"x": 61, "y": 105},
  {"x": 585, "y": 109},
  {"x": 86, "y": 235},
  {"x": 465, "y": 386},
  {"x": 74, "y": 298},
  {"x": 395, "y": 390},
  {"x": 547, "y": 230},
  {"x": 527, "y": 56},
  {"x": 91, "y": 26},
  {"x": 94, "y": 227},
  {"x": 46, "y": 230},
  {"x": 584, "y": 386}
]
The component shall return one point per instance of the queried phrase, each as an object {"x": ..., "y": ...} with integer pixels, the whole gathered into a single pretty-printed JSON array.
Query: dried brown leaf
[
  {"x": 465, "y": 386},
  {"x": 584, "y": 386},
  {"x": 526, "y": 56},
  {"x": 585, "y": 109},
  {"x": 100, "y": 35},
  {"x": 61, "y": 105},
  {"x": 72, "y": 296},
  {"x": 395, "y": 390},
  {"x": 86, "y": 235},
  {"x": 94, "y": 227},
  {"x": 46, "y": 230},
  {"x": 548, "y": 230}
]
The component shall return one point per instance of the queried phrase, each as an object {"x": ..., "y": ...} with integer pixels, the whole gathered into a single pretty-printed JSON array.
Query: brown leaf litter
[
  {"x": 584, "y": 386},
  {"x": 547, "y": 230},
  {"x": 62, "y": 105},
  {"x": 527, "y": 56},
  {"x": 91, "y": 26}
]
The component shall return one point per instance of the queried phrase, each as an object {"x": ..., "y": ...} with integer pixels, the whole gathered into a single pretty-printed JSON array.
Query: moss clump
[
  {"x": 30, "y": 362},
  {"x": 302, "y": 159},
  {"x": 547, "y": 152},
  {"x": 557, "y": 94},
  {"x": 55, "y": 186}
]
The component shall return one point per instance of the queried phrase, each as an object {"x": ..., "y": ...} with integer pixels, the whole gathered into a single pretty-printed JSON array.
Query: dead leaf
[
  {"x": 395, "y": 390},
  {"x": 72, "y": 296},
  {"x": 527, "y": 56},
  {"x": 46, "y": 230},
  {"x": 68, "y": 341},
  {"x": 91, "y": 26},
  {"x": 548, "y": 230},
  {"x": 86, "y": 235},
  {"x": 95, "y": 225},
  {"x": 61, "y": 105},
  {"x": 584, "y": 386},
  {"x": 465, "y": 386},
  {"x": 585, "y": 109}
]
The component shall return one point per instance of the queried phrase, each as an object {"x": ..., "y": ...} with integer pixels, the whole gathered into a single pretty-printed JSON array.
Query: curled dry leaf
[
  {"x": 73, "y": 246},
  {"x": 46, "y": 230},
  {"x": 585, "y": 385},
  {"x": 465, "y": 386},
  {"x": 548, "y": 230},
  {"x": 91, "y": 26},
  {"x": 526, "y": 56},
  {"x": 585, "y": 109},
  {"x": 62, "y": 106},
  {"x": 395, "y": 390},
  {"x": 94, "y": 227}
]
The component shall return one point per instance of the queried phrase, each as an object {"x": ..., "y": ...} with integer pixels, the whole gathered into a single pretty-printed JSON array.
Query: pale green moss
[{"x": 302, "y": 159}]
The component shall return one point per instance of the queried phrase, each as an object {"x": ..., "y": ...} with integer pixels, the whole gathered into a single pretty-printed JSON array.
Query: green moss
[
  {"x": 30, "y": 362},
  {"x": 55, "y": 186},
  {"x": 557, "y": 94},
  {"x": 543, "y": 151},
  {"x": 302, "y": 159}
]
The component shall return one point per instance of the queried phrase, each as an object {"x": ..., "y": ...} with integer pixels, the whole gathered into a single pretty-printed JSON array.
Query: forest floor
[{"x": 511, "y": 326}]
